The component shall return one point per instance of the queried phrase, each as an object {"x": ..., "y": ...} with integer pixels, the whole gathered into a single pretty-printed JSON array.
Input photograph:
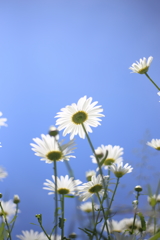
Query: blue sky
[{"x": 53, "y": 53}]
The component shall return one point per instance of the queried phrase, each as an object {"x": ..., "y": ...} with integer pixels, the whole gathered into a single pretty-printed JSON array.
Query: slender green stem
[
  {"x": 155, "y": 222},
  {"x": 62, "y": 216},
  {"x": 44, "y": 230},
  {"x": 135, "y": 214},
  {"x": 152, "y": 81},
  {"x": 5, "y": 219},
  {"x": 112, "y": 199},
  {"x": 56, "y": 199},
  {"x": 15, "y": 216},
  {"x": 93, "y": 222}
]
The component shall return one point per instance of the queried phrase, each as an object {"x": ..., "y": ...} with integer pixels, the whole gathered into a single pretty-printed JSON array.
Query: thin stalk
[
  {"x": 5, "y": 219},
  {"x": 135, "y": 214},
  {"x": 93, "y": 213},
  {"x": 112, "y": 199},
  {"x": 62, "y": 216},
  {"x": 15, "y": 219},
  {"x": 44, "y": 230},
  {"x": 155, "y": 222},
  {"x": 152, "y": 81},
  {"x": 56, "y": 199}
]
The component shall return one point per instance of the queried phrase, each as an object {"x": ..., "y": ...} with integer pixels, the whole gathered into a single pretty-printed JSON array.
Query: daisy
[
  {"x": 3, "y": 173},
  {"x": 127, "y": 223},
  {"x": 49, "y": 149},
  {"x": 72, "y": 117},
  {"x": 154, "y": 199},
  {"x": 108, "y": 154},
  {"x": 142, "y": 66},
  {"x": 119, "y": 236},
  {"x": 9, "y": 208},
  {"x": 3, "y": 120},
  {"x": 89, "y": 174},
  {"x": 92, "y": 187},
  {"x": 119, "y": 170},
  {"x": 31, "y": 235},
  {"x": 115, "y": 226},
  {"x": 87, "y": 207},
  {"x": 65, "y": 185},
  {"x": 155, "y": 143}
]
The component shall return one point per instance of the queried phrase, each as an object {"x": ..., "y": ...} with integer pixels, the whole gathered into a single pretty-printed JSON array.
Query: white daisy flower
[
  {"x": 31, "y": 235},
  {"x": 119, "y": 170},
  {"x": 89, "y": 174},
  {"x": 65, "y": 185},
  {"x": 3, "y": 173},
  {"x": 155, "y": 143},
  {"x": 113, "y": 156},
  {"x": 154, "y": 199},
  {"x": 87, "y": 207},
  {"x": 115, "y": 226},
  {"x": 119, "y": 236},
  {"x": 3, "y": 120},
  {"x": 92, "y": 187},
  {"x": 9, "y": 209},
  {"x": 49, "y": 149},
  {"x": 142, "y": 66},
  {"x": 71, "y": 117},
  {"x": 127, "y": 223}
]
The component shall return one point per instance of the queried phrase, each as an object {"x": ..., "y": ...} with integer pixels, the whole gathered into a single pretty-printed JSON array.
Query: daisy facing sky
[
  {"x": 142, "y": 66},
  {"x": 119, "y": 170},
  {"x": 65, "y": 185},
  {"x": 71, "y": 117},
  {"x": 155, "y": 143},
  {"x": 48, "y": 149}
]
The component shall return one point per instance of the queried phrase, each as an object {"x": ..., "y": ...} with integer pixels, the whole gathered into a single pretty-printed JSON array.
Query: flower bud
[
  {"x": 138, "y": 188},
  {"x": 16, "y": 199},
  {"x": 1, "y": 195},
  {"x": 53, "y": 131},
  {"x": 73, "y": 235}
]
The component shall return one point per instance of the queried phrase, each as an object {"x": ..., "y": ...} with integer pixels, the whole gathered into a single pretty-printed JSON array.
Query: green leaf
[
  {"x": 89, "y": 235},
  {"x": 143, "y": 222},
  {"x": 156, "y": 236},
  {"x": 69, "y": 196},
  {"x": 34, "y": 224}
]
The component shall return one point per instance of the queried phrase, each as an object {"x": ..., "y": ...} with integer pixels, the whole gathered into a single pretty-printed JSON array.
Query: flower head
[
  {"x": 31, "y": 235},
  {"x": 142, "y": 66},
  {"x": 49, "y": 149},
  {"x": 108, "y": 154},
  {"x": 3, "y": 173},
  {"x": 89, "y": 174},
  {"x": 65, "y": 185},
  {"x": 119, "y": 170},
  {"x": 115, "y": 226},
  {"x": 9, "y": 209},
  {"x": 92, "y": 187},
  {"x": 3, "y": 120},
  {"x": 71, "y": 117},
  {"x": 87, "y": 207},
  {"x": 155, "y": 143},
  {"x": 154, "y": 199}
]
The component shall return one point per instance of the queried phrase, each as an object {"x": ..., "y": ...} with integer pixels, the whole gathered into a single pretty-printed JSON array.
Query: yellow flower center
[
  {"x": 95, "y": 188},
  {"x": 143, "y": 70},
  {"x": 158, "y": 148},
  {"x": 63, "y": 191},
  {"x": 109, "y": 161},
  {"x": 54, "y": 155},
  {"x": 79, "y": 117}
]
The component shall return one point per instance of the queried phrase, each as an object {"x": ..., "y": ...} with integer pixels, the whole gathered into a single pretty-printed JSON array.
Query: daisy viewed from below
[
  {"x": 3, "y": 173},
  {"x": 119, "y": 170},
  {"x": 155, "y": 143},
  {"x": 71, "y": 117},
  {"x": 113, "y": 156},
  {"x": 95, "y": 186},
  {"x": 49, "y": 150},
  {"x": 89, "y": 174},
  {"x": 9, "y": 209},
  {"x": 87, "y": 207},
  {"x": 3, "y": 120},
  {"x": 142, "y": 66},
  {"x": 31, "y": 235},
  {"x": 65, "y": 185}
]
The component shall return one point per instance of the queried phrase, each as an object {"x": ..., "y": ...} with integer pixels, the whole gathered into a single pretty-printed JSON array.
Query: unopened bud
[
  {"x": 16, "y": 199},
  {"x": 73, "y": 235},
  {"x": 53, "y": 131},
  {"x": 138, "y": 188}
]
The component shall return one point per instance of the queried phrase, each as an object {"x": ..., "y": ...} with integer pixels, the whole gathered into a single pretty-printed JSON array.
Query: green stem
[
  {"x": 112, "y": 199},
  {"x": 135, "y": 214},
  {"x": 5, "y": 219},
  {"x": 15, "y": 216},
  {"x": 155, "y": 222},
  {"x": 44, "y": 230},
  {"x": 56, "y": 199},
  {"x": 152, "y": 81},
  {"x": 93, "y": 222},
  {"x": 62, "y": 215}
]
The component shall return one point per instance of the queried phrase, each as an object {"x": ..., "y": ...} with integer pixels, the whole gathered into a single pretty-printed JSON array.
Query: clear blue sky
[{"x": 51, "y": 54}]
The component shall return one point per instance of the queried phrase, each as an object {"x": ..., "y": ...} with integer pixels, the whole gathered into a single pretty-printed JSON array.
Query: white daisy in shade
[
  {"x": 71, "y": 117},
  {"x": 92, "y": 187},
  {"x": 3, "y": 120},
  {"x": 142, "y": 66},
  {"x": 31, "y": 235},
  {"x": 89, "y": 174},
  {"x": 3, "y": 173},
  {"x": 128, "y": 223},
  {"x": 119, "y": 170},
  {"x": 113, "y": 156},
  {"x": 9, "y": 209},
  {"x": 49, "y": 150},
  {"x": 119, "y": 236},
  {"x": 87, "y": 207},
  {"x": 115, "y": 226},
  {"x": 155, "y": 143},
  {"x": 65, "y": 185}
]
